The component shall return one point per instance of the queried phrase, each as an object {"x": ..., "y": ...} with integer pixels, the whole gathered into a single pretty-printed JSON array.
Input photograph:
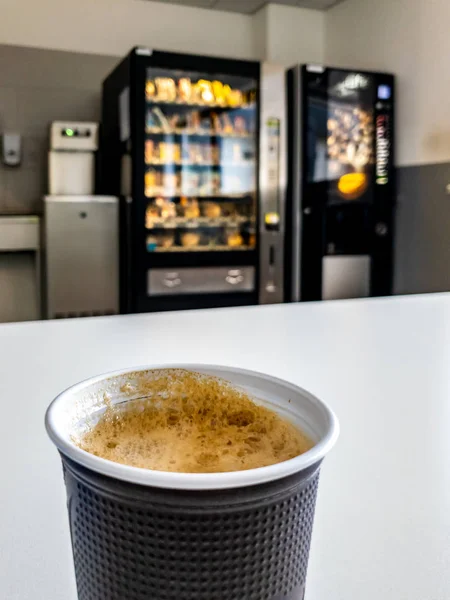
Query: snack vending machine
[
  {"x": 341, "y": 184},
  {"x": 180, "y": 145}
]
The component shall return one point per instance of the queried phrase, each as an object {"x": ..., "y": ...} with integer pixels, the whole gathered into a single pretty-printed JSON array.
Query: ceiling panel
[
  {"x": 195, "y": 3},
  {"x": 249, "y": 7},
  {"x": 317, "y": 4}
]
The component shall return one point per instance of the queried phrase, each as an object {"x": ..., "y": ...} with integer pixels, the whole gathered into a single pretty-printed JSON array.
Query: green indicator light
[{"x": 69, "y": 132}]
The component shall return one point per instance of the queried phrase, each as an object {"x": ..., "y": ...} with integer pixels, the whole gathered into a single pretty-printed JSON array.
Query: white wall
[
  {"x": 114, "y": 26},
  {"x": 260, "y": 34},
  {"x": 287, "y": 35},
  {"x": 281, "y": 34},
  {"x": 296, "y": 35},
  {"x": 411, "y": 39}
]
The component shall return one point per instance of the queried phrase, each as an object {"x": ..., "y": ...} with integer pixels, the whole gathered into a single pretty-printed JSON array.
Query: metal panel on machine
[{"x": 272, "y": 179}]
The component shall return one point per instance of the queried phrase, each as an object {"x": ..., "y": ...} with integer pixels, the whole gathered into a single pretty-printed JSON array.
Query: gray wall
[
  {"x": 37, "y": 87},
  {"x": 422, "y": 241}
]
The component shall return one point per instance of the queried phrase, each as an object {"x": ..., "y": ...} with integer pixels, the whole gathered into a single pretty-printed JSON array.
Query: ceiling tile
[
  {"x": 240, "y": 6},
  {"x": 317, "y": 4},
  {"x": 195, "y": 3},
  {"x": 249, "y": 7},
  {"x": 285, "y": 2}
]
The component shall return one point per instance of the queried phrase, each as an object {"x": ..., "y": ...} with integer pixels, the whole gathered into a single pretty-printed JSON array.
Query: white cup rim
[{"x": 326, "y": 421}]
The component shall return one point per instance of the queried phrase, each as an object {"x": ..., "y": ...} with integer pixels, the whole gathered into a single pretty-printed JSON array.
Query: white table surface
[{"x": 382, "y": 529}]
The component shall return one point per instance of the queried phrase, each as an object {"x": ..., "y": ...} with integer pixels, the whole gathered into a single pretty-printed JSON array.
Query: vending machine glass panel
[{"x": 201, "y": 161}]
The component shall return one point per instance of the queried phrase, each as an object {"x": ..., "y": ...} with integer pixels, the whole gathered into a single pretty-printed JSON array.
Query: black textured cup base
[{"x": 132, "y": 542}]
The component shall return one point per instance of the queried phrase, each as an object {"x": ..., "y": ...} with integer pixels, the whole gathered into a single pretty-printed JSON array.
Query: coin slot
[{"x": 272, "y": 256}]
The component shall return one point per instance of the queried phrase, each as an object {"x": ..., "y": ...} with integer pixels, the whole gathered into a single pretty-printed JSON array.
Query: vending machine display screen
[{"x": 341, "y": 133}]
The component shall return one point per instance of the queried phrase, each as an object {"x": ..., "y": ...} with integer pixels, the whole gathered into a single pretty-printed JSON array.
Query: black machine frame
[{"x": 134, "y": 260}]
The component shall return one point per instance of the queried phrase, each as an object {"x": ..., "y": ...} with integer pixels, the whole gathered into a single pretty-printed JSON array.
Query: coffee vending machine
[{"x": 341, "y": 184}]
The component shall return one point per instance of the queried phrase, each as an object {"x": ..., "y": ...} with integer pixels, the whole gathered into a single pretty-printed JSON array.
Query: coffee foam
[{"x": 192, "y": 423}]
